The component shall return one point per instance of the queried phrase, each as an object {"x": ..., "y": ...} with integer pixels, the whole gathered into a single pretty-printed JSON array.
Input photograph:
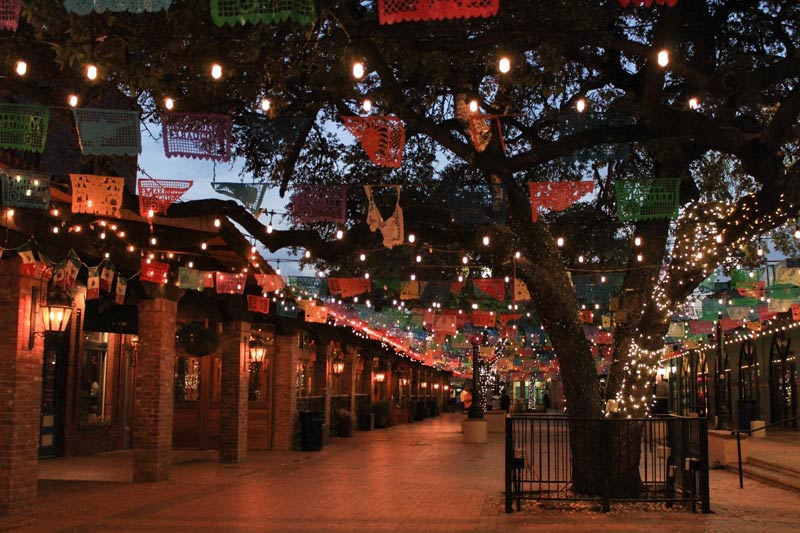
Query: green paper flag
[
  {"x": 23, "y": 188},
  {"x": 250, "y": 194},
  {"x": 647, "y": 199},
  {"x": 189, "y": 278},
  {"x": 234, "y": 12},
  {"x": 108, "y": 131},
  {"x": 23, "y": 127}
]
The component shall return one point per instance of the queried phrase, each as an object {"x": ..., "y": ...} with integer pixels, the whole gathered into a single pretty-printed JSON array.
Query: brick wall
[
  {"x": 284, "y": 392},
  {"x": 20, "y": 392},
  {"x": 152, "y": 421},
  {"x": 233, "y": 408}
]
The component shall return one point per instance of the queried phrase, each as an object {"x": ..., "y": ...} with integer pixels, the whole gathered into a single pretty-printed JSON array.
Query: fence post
[
  {"x": 705, "y": 497},
  {"x": 739, "y": 456},
  {"x": 509, "y": 461},
  {"x": 606, "y": 433}
]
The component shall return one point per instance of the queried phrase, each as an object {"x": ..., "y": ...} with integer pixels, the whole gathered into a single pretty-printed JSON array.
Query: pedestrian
[
  {"x": 546, "y": 401},
  {"x": 505, "y": 401}
]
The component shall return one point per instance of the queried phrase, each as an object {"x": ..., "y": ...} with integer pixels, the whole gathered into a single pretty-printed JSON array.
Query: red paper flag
[
  {"x": 483, "y": 319},
  {"x": 230, "y": 283},
  {"x": 556, "y": 196},
  {"x": 445, "y": 324},
  {"x": 496, "y": 288},
  {"x": 258, "y": 304},
  {"x": 153, "y": 271}
]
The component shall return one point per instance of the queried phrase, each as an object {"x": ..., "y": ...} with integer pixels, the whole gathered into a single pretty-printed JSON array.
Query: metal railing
[
  {"x": 337, "y": 403},
  {"x": 311, "y": 404},
  {"x": 655, "y": 459},
  {"x": 738, "y": 433}
]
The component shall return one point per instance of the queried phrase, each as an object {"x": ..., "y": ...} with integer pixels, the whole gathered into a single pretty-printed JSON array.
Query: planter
[
  {"x": 475, "y": 430},
  {"x": 366, "y": 421}
]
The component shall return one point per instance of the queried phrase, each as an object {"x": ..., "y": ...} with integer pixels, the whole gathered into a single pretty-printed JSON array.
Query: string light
[
  {"x": 411, "y": 238},
  {"x": 504, "y": 65},
  {"x": 694, "y": 103},
  {"x": 486, "y": 241},
  {"x": 217, "y": 223},
  {"x": 362, "y": 257},
  {"x": 21, "y": 68},
  {"x": 560, "y": 242},
  {"x": 663, "y": 58},
  {"x": 358, "y": 70},
  {"x": 265, "y": 104},
  {"x": 367, "y": 105},
  {"x": 216, "y": 71},
  {"x": 473, "y": 106},
  {"x": 72, "y": 100},
  {"x": 580, "y": 105},
  {"x": 169, "y": 103},
  {"x": 339, "y": 234},
  {"x": 91, "y": 72}
]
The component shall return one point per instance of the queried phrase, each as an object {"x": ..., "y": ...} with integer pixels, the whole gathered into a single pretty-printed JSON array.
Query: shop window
[
  {"x": 187, "y": 378},
  {"x": 94, "y": 382}
]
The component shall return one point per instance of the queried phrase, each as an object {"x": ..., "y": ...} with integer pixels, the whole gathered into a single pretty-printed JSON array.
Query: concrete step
[
  {"x": 786, "y": 479},
  {"x": 775, "y": 467}
]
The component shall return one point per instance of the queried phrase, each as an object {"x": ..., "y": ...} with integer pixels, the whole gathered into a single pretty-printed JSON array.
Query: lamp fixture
[
  {"x": 55, "y": 314},
  {"x": 380, "y": 377},
  {"x": 257, "y": 350},
  {"x": 338, "y": 364}
]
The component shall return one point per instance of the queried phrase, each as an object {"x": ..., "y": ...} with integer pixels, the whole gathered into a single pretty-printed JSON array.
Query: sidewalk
[{"x": 414, "y": 477}]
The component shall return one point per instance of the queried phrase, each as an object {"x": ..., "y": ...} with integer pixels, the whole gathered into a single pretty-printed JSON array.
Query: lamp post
[{"x": 720, "y": 409}]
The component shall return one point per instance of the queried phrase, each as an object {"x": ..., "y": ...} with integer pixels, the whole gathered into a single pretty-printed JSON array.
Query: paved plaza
[{"x": 415, "y": 477}]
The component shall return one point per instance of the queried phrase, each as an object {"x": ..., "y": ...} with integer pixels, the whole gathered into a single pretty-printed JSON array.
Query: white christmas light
[
  {"x": 91, "y": 72},
  {"x": 339, "y": 234},
  {"x": 580, "y": 105},
  {"x": 663, "y": 58},
  {"x": 694, "y": 103},
  {"x": 169, "y": 103},
  {"x": 216, "y": 71},
  {"x": 367, "y": 105},
  {"x": 358, "y": 70},
  {"x": 21, "y": 68},
  {"x": 412, "y": 238},
  {"x": 73, "y": 100},
  {"x": 504, "y": 65},
  {"x": 560, "y": 242},
  {"x": 265, "y": 104},
  {"x": 486, "y": 241},
  {"x": 473, "y": 106}
]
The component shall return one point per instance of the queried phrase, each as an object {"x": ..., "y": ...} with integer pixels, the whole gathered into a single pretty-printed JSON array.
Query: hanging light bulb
[
  {"x": 358, "y": 70},
  {"x": 504, "y": 65},
  {"x": 169, "y": 103},
  {"x": 217, "y": 223},
  {"x": 339, "y": 234},
  {"x": 580, "y": 105},
  {"x": 91, "y": 72},
  {"x": 216, "y": 71},
  {"x": 560, "y": 242},
  {"x": 366, "y": 275},
  {"x": 270, "y": 228},
  {"x": 153, "y": 241},
  {"x": 760, "y": 252},
  {"x": 412, "y": 238},
  {"x": 265, "y": 104},
  {"x": 367, "y": 105},
  {"x": 581, "y": 259},
  {"x": 362, "y": 257},
  {"x": 413, "y": 277},
  {"x": 517, "y": 255},
  {"x": 460, "y": 278},
  {"x": 307, "y": 255},
  {"x": 797, "y": 233},
  {"x": 419, "y": 259},
  {"x": 473, "y": 106},
  {"x": 637, "y": 241},
  {"x": 663, "y": 58},
  {"x": 640, "y": 258},
  {"x": 73, "y": 100},
  {"x": 203, "y": 246},
  {"x": 694, "y": 103},
  {"x": 602, "y": 279},
  {"x": 486, "y": 240},
  {"x": 21, "y": 68}
]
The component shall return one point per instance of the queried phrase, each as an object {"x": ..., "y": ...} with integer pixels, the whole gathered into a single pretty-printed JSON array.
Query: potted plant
[{"x": 381, "y": 410}]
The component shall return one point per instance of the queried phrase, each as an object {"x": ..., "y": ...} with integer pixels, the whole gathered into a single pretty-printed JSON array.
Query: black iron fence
[{"x": 655, "y": 459}]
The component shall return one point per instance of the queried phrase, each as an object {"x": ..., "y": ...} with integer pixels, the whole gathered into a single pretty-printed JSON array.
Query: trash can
[
  {"x": 311, "y": 423},
  {"x": 748, "y": 411}
]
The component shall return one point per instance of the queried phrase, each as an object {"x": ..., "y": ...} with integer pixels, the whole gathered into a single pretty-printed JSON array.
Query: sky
[{"x": 153, "y": 161}]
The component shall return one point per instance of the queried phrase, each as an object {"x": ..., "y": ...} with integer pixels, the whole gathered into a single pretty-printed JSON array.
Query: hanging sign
[
  {"x": 647, "y": 199},
  {"x": 97, "y": 195},
  {"x": 393, "y": 11},
  {"x": 153, "y": 271},
  {"x": 382, "y": 137},
  {"x": 9, "y": 14},
  {"x": 155, "y": 196},
  {"x": 191, "y": 279},
  {"x": 319, "y": 204},
  {"x": 197, "y": 135},
  {"x": 23, "y": 188},
  {"x": 84, "y": 7},
  {"x": 230, "y": 283},
  {"x": 556, "y": 196},
  {"x": 250, "y": 194},
  {"x": 258, "y": 304},
  {"x": 93, "y": 283},
  {"x": 107, "y": 276},
  {"x": 270, "y": 282},
  {"x": 122, "y": 286},
  {"x": 233, "y": 12},
  {"x": 23, "y": 127},
  {"x": 108, "y": 131}
]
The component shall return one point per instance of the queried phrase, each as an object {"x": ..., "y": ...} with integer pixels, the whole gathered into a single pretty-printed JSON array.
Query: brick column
[
  {"x": 284, "y": 392},
  {"x": 20, "y": 392},
  {"x": 153, "y": 404},
  {"x": 233, "y": 408}
]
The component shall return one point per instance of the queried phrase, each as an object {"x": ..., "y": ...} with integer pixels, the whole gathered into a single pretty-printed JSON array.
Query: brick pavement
[{"x": 416, "y": 477}]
